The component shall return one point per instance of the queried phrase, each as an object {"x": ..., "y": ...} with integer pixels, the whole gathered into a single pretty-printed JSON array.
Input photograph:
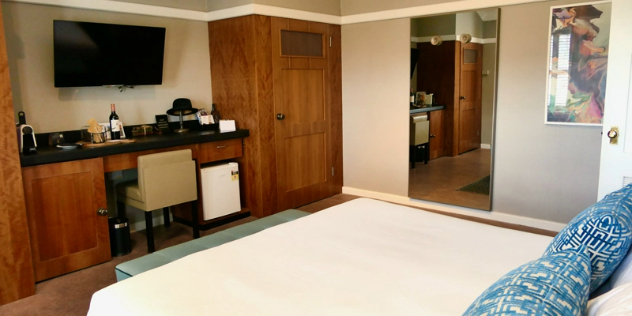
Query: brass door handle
[
  {"x": 222, "y": 146},
  {"x": 280, "y": 116},
  {"x": 433, "y": 135},
  {"x": 613, "y": 134},
  {"x": 102, "y": 212},
  {"x": 462, "y": 98}
]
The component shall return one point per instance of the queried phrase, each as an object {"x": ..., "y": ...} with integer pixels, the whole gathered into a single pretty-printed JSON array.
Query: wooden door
[
  {"x": 302, "y": 128},
  {"x": 62, "y": 200},
  {"x": 16, "y": 270},
  {"x": 437, "y": 134},
  {"x": 470, "y": 98}
]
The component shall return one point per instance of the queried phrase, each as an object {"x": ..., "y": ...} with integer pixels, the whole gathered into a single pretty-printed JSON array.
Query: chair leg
[
  {"x": 150, "y": 232},
  {"x": 194, "y": 219},
  {"x": 165, "y": 212}
]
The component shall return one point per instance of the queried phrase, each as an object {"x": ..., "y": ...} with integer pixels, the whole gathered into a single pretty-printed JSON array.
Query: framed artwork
[{"x": 578, "y": 61}]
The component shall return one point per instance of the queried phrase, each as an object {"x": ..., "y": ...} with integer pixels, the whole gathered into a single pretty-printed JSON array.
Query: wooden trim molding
[
  {"x": 497, "y": 219},
  {"x": 16, "y": 265},
  {"x": 249, "y": 9}
]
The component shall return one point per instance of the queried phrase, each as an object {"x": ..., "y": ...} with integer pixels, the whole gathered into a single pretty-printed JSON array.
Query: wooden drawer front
[
  {"x": 130, "y": 160},
  {"x": 215, "y": 151}
]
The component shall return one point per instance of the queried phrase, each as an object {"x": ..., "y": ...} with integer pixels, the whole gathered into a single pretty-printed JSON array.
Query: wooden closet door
[
  {"x": 470, "y": 105},
  {"x": 62, "y": 200},
  {"x": 302, "y": 128}
]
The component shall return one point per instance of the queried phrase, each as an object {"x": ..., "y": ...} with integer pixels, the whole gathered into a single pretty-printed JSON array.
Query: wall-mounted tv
[{"x": 96, "y": 54}]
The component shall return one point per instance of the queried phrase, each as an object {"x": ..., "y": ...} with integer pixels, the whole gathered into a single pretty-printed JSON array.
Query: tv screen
[{"x": 96, "y": 54}]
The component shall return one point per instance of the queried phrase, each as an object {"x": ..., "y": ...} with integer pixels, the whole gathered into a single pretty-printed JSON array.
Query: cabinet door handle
[
  {"x": 432, "y": 136},
  {"x": 280, "y": 116},
  {"x": 102, "y": 212},
  {"x": 221, "y": 146}
]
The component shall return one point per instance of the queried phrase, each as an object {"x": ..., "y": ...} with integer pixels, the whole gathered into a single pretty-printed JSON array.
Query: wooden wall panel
[
  {"x": 233, "y": 70},
  {"x": 16, "y": 267},
  {"x": 335, "y": 101},
  {"x": 265, "y": 100}
]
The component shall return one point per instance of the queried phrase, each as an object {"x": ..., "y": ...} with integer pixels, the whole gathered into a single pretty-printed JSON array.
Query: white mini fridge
[{"x": 220, "y": 190}]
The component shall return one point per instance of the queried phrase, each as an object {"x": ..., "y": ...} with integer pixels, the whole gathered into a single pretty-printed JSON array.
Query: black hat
[{"x": 183, "y": 106}]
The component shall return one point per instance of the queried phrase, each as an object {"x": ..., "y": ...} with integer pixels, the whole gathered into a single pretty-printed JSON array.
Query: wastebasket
[{"x": 120, "y": 243}]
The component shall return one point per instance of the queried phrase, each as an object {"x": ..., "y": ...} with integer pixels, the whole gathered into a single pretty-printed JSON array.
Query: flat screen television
[{"x": 97, "y": 54}]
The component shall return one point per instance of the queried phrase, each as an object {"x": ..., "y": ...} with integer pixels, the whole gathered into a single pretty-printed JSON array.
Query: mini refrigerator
[{"x": 220, "y": 190}]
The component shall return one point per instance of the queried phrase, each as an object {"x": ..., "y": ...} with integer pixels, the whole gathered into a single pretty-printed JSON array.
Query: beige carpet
[{"x": 70, "y": 294}]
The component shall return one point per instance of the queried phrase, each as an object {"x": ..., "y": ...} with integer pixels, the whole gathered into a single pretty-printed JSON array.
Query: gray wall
[
  {"x": 469, "y": 23},
  {"x": 375, "y": 105},
  {"x": 433, "y": 25},
  {"x": 196, "y": 5},
  {"x": 350, "y": 7},
  {"x": 213, "y": 5},
  {"x": 321, "y": 6},
  {"x": 29, "y": 34},
  {"x": 489, "y": 29},
  {"x": 543, "y": 171}
]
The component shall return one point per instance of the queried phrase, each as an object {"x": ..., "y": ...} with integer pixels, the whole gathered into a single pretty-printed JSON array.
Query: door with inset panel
[
  {"x": 68, "y": 223},
  {"x": 470, "y": 99},
  {"x": 301, "y": 104}
]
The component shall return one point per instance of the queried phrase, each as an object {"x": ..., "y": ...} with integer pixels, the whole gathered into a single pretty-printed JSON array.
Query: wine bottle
[
  {"x": 215, "y": 114},
  {"x": 115, "y": 127}
]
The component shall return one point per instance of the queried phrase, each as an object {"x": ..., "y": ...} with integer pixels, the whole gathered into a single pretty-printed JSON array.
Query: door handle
[
  {"x": 280, "y": 116},
  {"x": 613, "y": 134},
  {"x": 102, "y": 212},
  {"x": 462, "y": 98}
]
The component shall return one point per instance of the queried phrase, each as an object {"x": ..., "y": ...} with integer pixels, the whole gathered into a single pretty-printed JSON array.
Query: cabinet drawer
[{"x": 221, "y": 150}]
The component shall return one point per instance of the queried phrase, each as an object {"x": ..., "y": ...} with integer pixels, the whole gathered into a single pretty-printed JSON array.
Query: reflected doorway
[{"x": 453, "y": 83}]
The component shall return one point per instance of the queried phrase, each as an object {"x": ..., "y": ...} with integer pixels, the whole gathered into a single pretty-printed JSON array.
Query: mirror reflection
[{"x": 452, "y": 98}]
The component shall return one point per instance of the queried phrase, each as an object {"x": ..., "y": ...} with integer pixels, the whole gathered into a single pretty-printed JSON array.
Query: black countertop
[
  {"x": 46, "y": 155},
  {"x": 427, "y": 109}
]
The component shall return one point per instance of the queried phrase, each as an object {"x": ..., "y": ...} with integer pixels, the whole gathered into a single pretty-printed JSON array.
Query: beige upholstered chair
[{"x": 164, "y": 179}]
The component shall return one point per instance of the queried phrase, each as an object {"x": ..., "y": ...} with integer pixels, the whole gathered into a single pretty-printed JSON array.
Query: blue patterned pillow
[
  {"x": 556, "y": 284},
  {"x": 606, "y": 229}
]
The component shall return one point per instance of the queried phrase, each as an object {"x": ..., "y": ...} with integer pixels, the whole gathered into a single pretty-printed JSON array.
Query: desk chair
[{"x": 164, "y": 179}]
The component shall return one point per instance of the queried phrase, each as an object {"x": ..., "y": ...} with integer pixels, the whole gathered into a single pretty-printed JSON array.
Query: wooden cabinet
[
  {"x": 437, "y": 133},
  {"x": 62, "y": 201},
  {"x": 264, "y": 66},
  {"x": 453, "y": 72}
]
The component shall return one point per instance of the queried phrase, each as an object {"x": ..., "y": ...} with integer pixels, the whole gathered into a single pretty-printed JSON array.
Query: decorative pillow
[
  {"x": 620, "y": 276},
  {"x": 556, "y": 284},
  {"x": 616, "y": 302},
  {"x": 606, "y": 229}
]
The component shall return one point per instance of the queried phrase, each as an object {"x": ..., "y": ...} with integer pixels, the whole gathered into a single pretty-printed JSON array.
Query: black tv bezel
[{"x": 126, "y": 84}]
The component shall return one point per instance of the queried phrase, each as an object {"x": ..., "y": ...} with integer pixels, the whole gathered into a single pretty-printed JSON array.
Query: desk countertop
[
  {"x": 427, "y": 109},
  {"x": 47, "y": 155}
]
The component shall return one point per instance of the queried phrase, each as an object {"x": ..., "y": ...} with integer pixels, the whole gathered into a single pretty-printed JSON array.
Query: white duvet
[{"x": 364, "y": 257}]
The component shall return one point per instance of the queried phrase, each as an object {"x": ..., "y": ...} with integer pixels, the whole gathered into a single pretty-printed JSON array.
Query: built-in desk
[{"x": 66, "y": 200}]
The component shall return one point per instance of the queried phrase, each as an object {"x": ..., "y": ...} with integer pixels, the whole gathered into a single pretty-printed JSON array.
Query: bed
[{"x": 363, "y": 257}]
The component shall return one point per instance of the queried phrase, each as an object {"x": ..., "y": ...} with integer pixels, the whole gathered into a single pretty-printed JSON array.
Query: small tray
[{"x": 107, "y": 143}]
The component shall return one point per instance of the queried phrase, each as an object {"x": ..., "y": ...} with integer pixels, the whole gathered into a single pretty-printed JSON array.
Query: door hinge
[
  {"x": 330, "y": 41},
  {"x": 332, "y": 171}
]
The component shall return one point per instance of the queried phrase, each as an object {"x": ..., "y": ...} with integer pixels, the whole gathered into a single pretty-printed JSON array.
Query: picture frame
[{"x": 577, "y": 63}]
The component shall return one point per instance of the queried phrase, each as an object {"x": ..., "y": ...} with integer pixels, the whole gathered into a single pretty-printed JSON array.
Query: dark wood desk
[{"x": 64, "y": 189}]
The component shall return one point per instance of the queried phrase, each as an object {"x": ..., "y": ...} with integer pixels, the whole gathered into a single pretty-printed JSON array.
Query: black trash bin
[{"x": 120, "y": 243}]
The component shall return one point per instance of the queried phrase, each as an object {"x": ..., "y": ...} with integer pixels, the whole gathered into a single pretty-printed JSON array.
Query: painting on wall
[{"x": 578, "y": 60}]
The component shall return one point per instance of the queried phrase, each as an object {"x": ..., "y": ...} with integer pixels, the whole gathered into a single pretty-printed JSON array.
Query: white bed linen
[{"x": 363, "y": 257}]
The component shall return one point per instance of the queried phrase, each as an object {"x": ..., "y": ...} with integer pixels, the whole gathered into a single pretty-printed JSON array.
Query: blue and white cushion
[
  {"x": 556, "y": 284},
  {"x": 605, "y": 229}
]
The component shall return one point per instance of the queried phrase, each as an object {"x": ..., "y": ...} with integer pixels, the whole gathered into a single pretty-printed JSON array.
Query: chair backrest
[{"x": 167, "y": 179}]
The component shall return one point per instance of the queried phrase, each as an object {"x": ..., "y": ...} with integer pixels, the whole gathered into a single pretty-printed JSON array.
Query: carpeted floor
[
  {"x": 480, "y": 186},
  {"x": 70, "y": 294}
]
